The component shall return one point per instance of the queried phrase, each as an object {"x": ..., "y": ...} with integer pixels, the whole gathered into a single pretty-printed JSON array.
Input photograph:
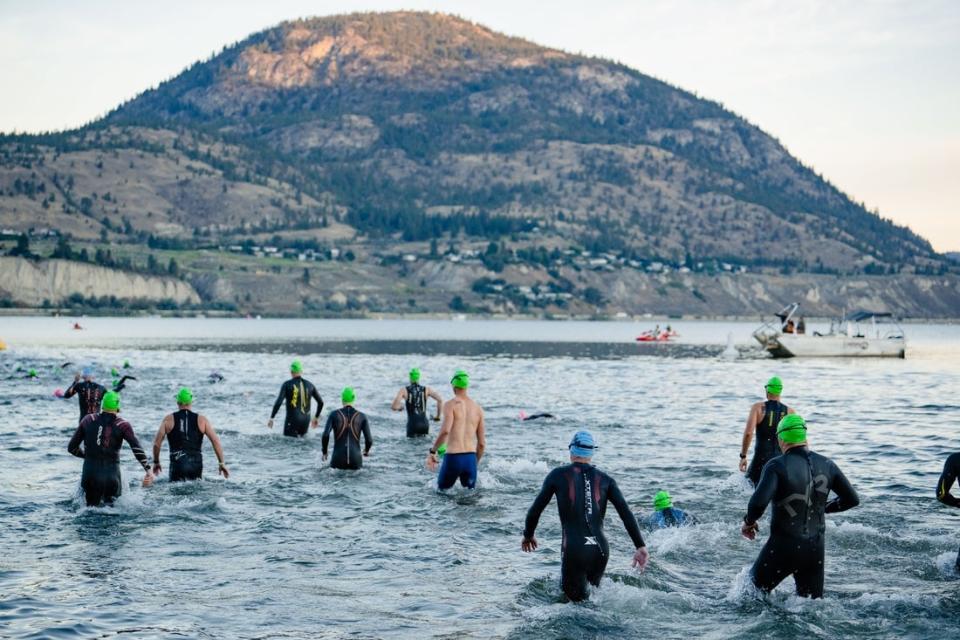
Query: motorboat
[
  {"x": 858, "y": 334},
  {"x": 656, "y": 335}
]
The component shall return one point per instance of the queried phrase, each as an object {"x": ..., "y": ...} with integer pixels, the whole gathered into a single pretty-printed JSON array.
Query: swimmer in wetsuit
[
  {"x": 582, "y": 493},
  {"x": 347, "y": 424},
  {"x": 90, "y": 393},
  {"x": 414, "y": 397},
  {"x": 185, "y": 430},
  {"x": 98, "y": 440},
  {"x": 666, "y": 515},
  {"x": 951, "y": 471},
  {"x": 762, "y": 423},
  {"x": 464, "y": 434},
  {"x": 798, "y": 483},
  {"x": 295, "y": 395}
]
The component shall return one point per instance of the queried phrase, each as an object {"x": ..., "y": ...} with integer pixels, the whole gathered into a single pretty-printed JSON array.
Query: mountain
[{"x": 414, "y": 135}]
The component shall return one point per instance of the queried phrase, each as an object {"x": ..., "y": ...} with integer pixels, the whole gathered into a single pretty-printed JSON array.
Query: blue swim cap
[
  {"x": 582, "y": 444},
  {"x": 88, "y": 372}
]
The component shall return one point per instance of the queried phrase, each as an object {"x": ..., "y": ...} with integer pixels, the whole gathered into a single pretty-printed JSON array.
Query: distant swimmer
[
  {"x": 798, "y": 483},
  {"x": 414, "y": 398},
  {"x": 464, "y": 434},
  {"x": 88, "y": 392},
  {"x": 77, "y": 327},
  {"x": 295, "y": 395},
  {"x": 762, "y": 422},
  {"x": 215, "y": 377},
  {"x": 185, "y": 430},
  {"x": 347, "y": 424},
  {"x": 535, "y": 416},
  {"x": 98, "y": 441},
  {"x": 666, "y": 515},
  {"x": 951, "y": 471},
  {"x": 582, "y": 493}
]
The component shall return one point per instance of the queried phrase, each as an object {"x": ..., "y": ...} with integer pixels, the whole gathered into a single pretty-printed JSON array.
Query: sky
[{"x": 866, "y": 92}]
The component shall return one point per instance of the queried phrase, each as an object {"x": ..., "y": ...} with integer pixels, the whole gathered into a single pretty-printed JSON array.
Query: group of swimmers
[{"x": 784, "y": 471}]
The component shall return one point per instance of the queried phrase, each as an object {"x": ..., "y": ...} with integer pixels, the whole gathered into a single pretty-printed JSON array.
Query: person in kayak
[
  {"x": 185, "y": 430},
  {"x": 347, "y": 424},
  {"x": 90, "y": 393},
  {"x": 951, "y": 471},
  {"x": 582, "y": 493},
  {"x": 414, "y": 397},
  {"x": 295, "y": 395},
  {"x": 464, "y": 433},
  {"x": 798, "y": 483},
  {"x": 98, "y": 440},
  {"x": 762, "y": 423},
  {"x": 666, "y": 515}
]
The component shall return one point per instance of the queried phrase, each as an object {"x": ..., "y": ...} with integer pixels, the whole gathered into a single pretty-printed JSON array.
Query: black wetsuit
[
  {"x": 537, "y": 416},
  {"x": 295, "y": 394},
  {"x": 582, "y": 493},
  {"x": 186, "y": 440},
  {"x": 347, "y": 424},
  {"x": 798, "y": 482},
  {"x": 765, "y": 446},
  {"x": 951, "y": 471},
  {"x": 98, "y": 440},
  {"x": 89, "y": 393},
  {"x": 417, "y": 422}
]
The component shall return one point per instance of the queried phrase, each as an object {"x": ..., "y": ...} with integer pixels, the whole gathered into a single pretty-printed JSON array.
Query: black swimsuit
[
  {"x": 417, "y": 422},
  {"x": 347, "y": 424},
  {"x": 98, "y": 440},
  {"x": 186, "y": 440},
  {"x": 765, "y": 446},
  {"x": 295, "y": 395}
]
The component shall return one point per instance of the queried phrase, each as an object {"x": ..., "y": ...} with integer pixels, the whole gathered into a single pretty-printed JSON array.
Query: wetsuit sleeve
[
  {"x": 279, "y": 402},
  {"x": 71, "y": 391},
  {"x": 539, "y": 504},
  {"x": 367, "y": 438},
  {"x": 74, "y": 447},
  {"x": 120, "y": 384},
  {"x": 316, "y": 396},
  {"x": 131, "y": 439},
  {"x": 626, "y": 515},
  {"x": 325, "y": 439},
  {"x": 766, "y": 489},
  {"x": 847, "y": 497},
  {"x": 951, "y": 469}
]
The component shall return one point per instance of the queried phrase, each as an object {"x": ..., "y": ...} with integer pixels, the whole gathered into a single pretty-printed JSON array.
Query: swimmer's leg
[
  {"x": 597, "y": 567},
  {"x": 468, "y": 471},
  {"x": 573, "y": 575},
  {"x": 809, "y": 574},
  {"x": 448, "y": 472},
  {"x": 772, "y": 566}
]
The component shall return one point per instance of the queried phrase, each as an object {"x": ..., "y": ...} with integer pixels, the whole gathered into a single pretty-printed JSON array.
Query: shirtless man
[{"x": 463, "y": 433}]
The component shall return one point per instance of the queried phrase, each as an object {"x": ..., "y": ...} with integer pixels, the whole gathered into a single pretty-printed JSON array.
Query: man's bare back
[{"x": 465, "y": 418}]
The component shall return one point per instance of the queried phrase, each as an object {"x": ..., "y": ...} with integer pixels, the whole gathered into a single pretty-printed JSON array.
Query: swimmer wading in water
[
  {"x": 464, "y": 435},
  {"x": 414, "y": 397},
  {"x": 185, "y": 430},
  {"x": 346, "y": 424},
  {"x": 295, "y": 395},
  {"x": 762, "y": 423}
]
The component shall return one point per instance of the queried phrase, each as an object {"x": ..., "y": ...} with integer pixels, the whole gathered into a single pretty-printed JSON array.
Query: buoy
[{"x": 3, "y": 345}]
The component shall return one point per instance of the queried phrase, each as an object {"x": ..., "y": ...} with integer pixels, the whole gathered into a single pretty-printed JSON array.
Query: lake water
[{"x": 288, "y": 548}]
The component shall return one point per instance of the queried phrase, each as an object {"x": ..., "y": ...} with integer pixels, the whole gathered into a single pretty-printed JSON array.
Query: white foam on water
[
  {"x": 742, "y": 588},
  {"x": 946, "y": 564},
  {"x": 517, "y": 466},
  {"x": 673, "y": 539}
]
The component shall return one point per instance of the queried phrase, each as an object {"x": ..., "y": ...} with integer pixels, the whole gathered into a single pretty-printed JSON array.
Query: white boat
[{"x": 860, "y": 334}]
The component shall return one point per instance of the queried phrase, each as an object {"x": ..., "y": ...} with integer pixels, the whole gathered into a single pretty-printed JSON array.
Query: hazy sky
[{"x": 867, "y": 92}]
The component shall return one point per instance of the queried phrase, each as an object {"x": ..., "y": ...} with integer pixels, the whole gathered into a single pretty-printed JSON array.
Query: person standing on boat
[
  {"x": 762, "y": 426},
  {"x": 951, "y": 471}
]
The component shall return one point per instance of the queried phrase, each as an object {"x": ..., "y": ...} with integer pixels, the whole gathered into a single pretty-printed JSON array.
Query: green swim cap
[
  {"x": 348, "y": 395},
  {"x": 442, "y": 450},
  {"x": 774, "y": 386},
  {"x": 126, "y": 364},
  {"x": 460, "y": 379},
  {"x": 110, "y": 402},
  {"x": 32, "y": 373},
  {"x": 414, "y": 375},
  {"x": 296, "y": 367},
  {"x": 792, "y": 429},
  {"x": 662, "y": 501},
  {"x": 114, "y": 372},
  {"x": 184, "y": 396}
]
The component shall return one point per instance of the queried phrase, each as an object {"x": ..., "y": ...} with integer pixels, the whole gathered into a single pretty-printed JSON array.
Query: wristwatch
[
  {"x": 743, "y": 456},
  {"x": 433, "y": 451}
]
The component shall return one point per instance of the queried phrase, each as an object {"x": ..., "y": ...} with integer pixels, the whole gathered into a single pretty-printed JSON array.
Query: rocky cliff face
[{"x": 30, "y": 283}]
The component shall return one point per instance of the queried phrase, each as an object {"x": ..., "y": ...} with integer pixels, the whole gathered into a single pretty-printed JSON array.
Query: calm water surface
[{"x": 289, "y": 548}]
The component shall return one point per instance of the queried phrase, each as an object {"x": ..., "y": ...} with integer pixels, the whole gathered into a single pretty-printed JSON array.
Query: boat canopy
[{"x": 860, "y": 316}]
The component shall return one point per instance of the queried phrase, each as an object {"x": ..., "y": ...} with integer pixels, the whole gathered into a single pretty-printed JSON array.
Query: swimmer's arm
[
  {"x": 947, "y": 478},
  {"x": 539, "y": 504},
  {"x": 316, "y": 396},
  {"x": 436, "y": 396},
  {"x": 766, "y": 489},
  {"x": 847, "y": 497},
  {"x": 165, "y": 425},
  {"x": 71, "y": 390},
  {"x": 138, "y": 452},
  {"x": 748, "y": 432},
  {"x": 209, "y": 431},
  {"x": 623, "y": 510},
  {"x": 397, "y": 403},
  {"x": 481, "y": 437},
  {"x": 325, "y": 438},
  {"x": 367, "y": 437},
  {"x": 279, "y": 402},
  {"x": 74, "y": 447},
  {"x": 446, "y": 426}
]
